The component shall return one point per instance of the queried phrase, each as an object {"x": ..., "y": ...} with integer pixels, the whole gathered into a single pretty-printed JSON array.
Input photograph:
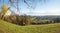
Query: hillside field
[{"x": 6, "y": 27}]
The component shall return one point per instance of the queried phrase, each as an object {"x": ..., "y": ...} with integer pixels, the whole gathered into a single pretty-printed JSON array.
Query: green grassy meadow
[{"x": 6, "y": 27}]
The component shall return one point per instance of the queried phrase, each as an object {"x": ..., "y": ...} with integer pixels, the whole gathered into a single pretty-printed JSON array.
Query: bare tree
[{"x": 15, "y": 4}]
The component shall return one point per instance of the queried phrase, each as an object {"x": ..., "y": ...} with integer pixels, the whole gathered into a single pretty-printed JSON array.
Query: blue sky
[{"x": 49, "y": 7}]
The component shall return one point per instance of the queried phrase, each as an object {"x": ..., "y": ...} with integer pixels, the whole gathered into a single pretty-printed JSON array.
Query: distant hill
[{"x": 46, "y": 17}]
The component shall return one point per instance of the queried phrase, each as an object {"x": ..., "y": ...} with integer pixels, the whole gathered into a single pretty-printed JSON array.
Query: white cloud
[
  {"x": 53, "y": 12},
  {"x": 39, "y": 12},
  {"x": 45, "y": 12}
]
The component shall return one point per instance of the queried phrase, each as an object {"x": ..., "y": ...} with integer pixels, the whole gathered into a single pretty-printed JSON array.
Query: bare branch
[
  {"x": 32, "y": 4},
  {"x": 25, "y": 1},
  {"x": 12, "y": 3}
]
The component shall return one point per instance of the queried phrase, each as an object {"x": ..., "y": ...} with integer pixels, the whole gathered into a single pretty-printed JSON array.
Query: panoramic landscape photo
[{"x": 29, "y": 16}]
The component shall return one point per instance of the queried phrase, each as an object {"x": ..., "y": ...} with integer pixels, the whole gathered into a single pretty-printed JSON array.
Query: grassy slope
[{"x": 11, "y": 28}]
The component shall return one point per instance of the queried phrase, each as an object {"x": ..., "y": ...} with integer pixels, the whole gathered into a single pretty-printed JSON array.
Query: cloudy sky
[{"x": 42, "y": 7}]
